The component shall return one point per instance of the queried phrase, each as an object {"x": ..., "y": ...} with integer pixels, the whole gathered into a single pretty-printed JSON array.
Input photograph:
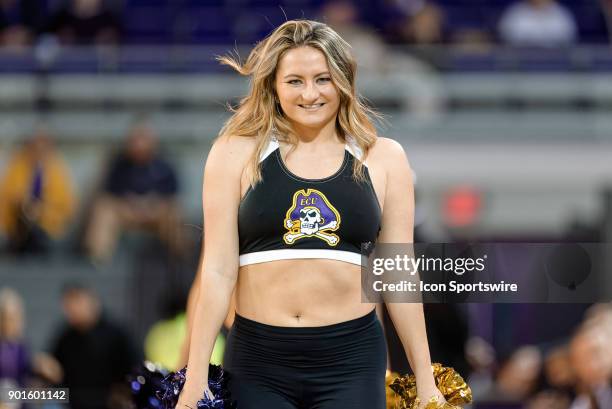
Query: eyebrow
[{"x": 297, "y": 75}]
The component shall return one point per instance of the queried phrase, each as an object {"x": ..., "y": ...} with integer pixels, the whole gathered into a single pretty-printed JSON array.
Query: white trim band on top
[
  {"x": 287, "y": 254},
  {"x": 351, "y": 146},
  {"x": 354, "y": 149},
  {"x": 272, "y": 146}
]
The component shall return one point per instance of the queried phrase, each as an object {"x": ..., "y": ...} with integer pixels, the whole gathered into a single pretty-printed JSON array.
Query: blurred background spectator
[
  {"x": 591, "y": 361},
  {"x": 86, "y": 22},
  {"x": 373, "y": 58},
  {"x": 20, "y": 22},
  {"x": 423, "y": 25},
  {"x": 369, "y": 47},
  {"x": 15, "y": 363},
  {"x": 18, "y": 366},
  {"x": 38, "y": 199},
  {"x": 94, "y": 352},
  {"x": 139, "y": 193},
  {"x": 539, "y": 23}
]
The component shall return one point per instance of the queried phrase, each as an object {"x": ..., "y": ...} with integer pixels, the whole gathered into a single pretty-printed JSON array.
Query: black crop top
[{"x": 288, "y": 217}]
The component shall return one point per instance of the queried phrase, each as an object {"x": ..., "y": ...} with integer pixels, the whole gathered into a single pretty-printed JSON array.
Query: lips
[{"x": 311, "y": 107}]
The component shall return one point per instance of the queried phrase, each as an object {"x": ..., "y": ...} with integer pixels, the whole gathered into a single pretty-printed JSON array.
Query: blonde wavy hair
[
  {"x": 11, "y": 309},
  {"x": 259, "y": 114}
]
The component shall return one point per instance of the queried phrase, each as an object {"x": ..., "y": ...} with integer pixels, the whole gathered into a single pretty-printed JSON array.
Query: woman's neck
[{"x": 315, "y": 137}]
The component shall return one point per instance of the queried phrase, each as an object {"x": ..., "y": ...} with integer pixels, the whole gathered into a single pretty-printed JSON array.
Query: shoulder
[
  {"x": 564, "y": 12},
  {"x": 117, "y": 161},
  {"x": 387, "y": 153},
  {"x": 387, "y": 145},
  {"x": 62, "y": 336},
  {"x": 17, "y": 160},
  {"x": 231, "y": 152},
  {"x": 108, "y": 325},
  {"x": 234, "y": 146},
  {"x": 162, "y": 163}
]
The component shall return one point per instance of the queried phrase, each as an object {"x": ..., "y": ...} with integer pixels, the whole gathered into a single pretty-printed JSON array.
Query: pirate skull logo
[
  {"x": 310, "y": 219},
  {"x": 311, "y": 215}
]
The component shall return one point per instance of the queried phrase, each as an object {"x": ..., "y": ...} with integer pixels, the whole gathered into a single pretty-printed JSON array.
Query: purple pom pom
[
  {"x": 217, "y": 383},
  {"x": 144, "y": 382}
]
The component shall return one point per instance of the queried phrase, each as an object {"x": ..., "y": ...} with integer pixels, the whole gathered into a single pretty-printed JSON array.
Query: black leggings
[{"x": 334, "y": 366}]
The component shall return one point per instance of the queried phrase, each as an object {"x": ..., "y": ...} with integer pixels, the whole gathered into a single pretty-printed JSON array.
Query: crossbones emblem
[{"x": 311, "y": 222}]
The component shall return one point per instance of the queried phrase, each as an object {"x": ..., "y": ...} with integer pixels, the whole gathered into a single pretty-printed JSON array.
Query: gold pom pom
[
  {"x": 449, "y": 382},
  {"x": 393, "y": 399}
]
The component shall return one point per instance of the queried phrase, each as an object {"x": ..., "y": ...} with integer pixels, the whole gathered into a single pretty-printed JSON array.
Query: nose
[{"x": 310, "y": 93}]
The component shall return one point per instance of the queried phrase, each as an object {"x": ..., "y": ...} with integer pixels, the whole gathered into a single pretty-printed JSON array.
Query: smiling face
[{"x": 307, "y": 95}]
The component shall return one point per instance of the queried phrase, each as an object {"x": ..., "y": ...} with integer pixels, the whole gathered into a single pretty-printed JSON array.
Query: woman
[
  {"x": 296, "y": 181},
  {"x": 17, "y": 364}
]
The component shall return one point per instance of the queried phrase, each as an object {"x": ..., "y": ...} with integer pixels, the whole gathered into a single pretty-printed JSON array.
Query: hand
[
  {"x": 189, "y": 398},
  {"x": 425, "y": 393},
  {"x": 47, "y": 367}
]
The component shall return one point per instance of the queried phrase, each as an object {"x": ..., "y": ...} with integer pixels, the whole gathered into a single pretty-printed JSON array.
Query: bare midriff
[{"x": 300, "y": 293}]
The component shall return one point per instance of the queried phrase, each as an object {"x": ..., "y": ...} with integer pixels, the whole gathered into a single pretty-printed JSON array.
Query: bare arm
[
  {"x": 397, "y": 227},
  {"x": 192, "y": 302},
  {"x": 219, "y": 263}
]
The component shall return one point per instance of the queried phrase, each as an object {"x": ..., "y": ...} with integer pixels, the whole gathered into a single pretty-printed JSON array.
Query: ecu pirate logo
[{"x": 311, "y": 215}]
